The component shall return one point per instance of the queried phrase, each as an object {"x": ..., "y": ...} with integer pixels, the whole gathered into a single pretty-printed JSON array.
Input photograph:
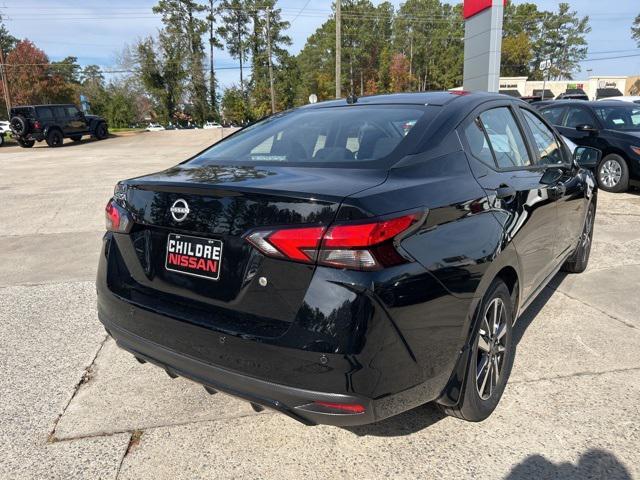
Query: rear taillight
[
  {"x": 117, "y": 218},
  {"x": 358, "y": 246},
  {"x": 37, "y": 125}
]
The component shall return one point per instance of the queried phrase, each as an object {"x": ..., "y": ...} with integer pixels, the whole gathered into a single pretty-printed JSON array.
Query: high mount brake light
[
  {"x": 358, "y": 246},
  {"x": 117, "y": 218}
]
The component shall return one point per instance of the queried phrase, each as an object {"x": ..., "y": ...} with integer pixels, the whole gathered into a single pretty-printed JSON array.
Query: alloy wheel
[
  {"x": 585, "y": 239},
  {"x": 491, "y": 348},
  {"x": 611, "y": 173}
]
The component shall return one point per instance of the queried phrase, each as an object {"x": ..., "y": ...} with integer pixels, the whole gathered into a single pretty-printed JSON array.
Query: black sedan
[
  {"x": 612, "y": 127},
  {"x": 349, "y": 260}
]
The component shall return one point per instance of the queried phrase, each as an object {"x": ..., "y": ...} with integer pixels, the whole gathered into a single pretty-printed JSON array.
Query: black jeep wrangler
[{"x": 54, "y": 123}]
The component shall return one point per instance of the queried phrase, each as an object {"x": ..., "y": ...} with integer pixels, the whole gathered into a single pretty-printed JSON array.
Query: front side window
[
  {"x": 624, "y": 117},
  {"x": 507, "y": 143},
  {"x": 578, "y": 116},
  {"x": 546, "y": 142},
  {"x": 343, "y": 135},
  {"x": 72, "y": 111}
]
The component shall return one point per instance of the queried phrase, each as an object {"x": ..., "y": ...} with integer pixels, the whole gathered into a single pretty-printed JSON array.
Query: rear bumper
[
  {"x": 288, "y": 400},
  {"x": 371, "y": 363}
]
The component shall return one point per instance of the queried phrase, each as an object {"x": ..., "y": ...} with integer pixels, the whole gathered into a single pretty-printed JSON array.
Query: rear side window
[
  {"x": 553, "y": 115},
  {"x": 505, "y": 138},
  {"x": 578, "y": 116},
  {"x": 26, "y": 112},
  {"x": 342, "y": 135},
  {"x": 478, "y": 144},
  {"x": 59, "y": 112},
  {"x": 45, "y": 113},
  {"x": 546, "y": 142}
]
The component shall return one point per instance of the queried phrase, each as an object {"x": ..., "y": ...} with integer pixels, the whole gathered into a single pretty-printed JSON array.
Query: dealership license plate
[{"x": 200, "y": 257}]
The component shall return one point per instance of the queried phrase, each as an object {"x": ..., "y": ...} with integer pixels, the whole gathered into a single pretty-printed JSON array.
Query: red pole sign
[{"x": 473, "y": 7}]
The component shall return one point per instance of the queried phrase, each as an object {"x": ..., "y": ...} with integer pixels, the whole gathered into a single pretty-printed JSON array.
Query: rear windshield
[
  {"x": 337, "y": 135},
  {"x": 623, "y": 117}
]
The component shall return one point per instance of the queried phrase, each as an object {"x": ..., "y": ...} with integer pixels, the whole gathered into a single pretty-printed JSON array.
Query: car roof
[
  {"x": 439, "y": 98},
  {"x": 590, "y": 103},
  {"x": 45, "y": 105}
]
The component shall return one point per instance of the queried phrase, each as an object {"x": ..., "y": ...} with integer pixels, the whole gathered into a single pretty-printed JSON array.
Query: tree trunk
[
  {"x": 212, "y": 75},
  {"x": 272, "y": 90}
]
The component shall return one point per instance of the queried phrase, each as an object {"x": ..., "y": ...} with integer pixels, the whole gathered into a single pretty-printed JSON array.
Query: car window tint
[
  {"x": 72, "y": 111},
  {"x": 59, "y": 112},
  {"x": 478, "y": 144},
  {"x": 552, "y": 115},
  {"x": 546, "y": 142},
  {"x": 44, "y": 113},
  {"x": 505, "y": 137},
  {"x": 577, "y": 116},
  {"x": 340, "y": 134}
]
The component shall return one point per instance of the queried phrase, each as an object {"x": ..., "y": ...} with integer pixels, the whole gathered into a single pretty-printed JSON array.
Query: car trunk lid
[{"x": 223, "y": 203}]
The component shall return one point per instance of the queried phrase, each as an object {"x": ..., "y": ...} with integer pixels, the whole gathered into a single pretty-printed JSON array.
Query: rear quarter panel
[{"x": 457, "y": 249}]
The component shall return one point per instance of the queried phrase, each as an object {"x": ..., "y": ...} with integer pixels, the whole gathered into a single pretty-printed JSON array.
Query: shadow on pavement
[
  {"x": 426, "y": 415},
  {"x": 593, "y": 464},
  {"x": 527, "y": 317},
  {"x": 405, "y": 423}
]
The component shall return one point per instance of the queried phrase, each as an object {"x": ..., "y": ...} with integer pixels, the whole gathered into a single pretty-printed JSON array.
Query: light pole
[{"x": 338, "y": 48}]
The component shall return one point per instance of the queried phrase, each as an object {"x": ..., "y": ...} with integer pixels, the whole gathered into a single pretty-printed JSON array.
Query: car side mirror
[
  {"x": 587, "y": 157},
  {"x": 586, "y": 128},
  {"x": 551, "y": 176}
]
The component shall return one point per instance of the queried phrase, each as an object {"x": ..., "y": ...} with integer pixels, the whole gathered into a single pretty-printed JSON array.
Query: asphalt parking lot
[{"x": 74, "y": 406}]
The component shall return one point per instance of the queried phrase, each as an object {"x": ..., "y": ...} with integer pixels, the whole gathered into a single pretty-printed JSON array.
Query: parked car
[
  {"x": 531, "y": 98},
  {"x": 334, "y": 267},
  {"x": 610, "y": 126},
  {"x": 573, "y": 96},
  {"x": 4, "y": 129},
  {"x": 54, "y": 123},
  {"x": 154, "y": 127},
  {"x": 211, "y": 125},
  {"x": 629, "y": 98}
]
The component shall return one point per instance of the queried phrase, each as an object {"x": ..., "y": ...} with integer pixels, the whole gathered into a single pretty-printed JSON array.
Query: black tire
[
  {"x": 1, "y": 138},
  {"x": 25, "y": 143},
  {"x": 19, "y": 125},
  {"x": 578, "y": 261},
  {"x": 613, "y": 174},
  {"x": 494, "y": 355},
  {"x": 102, "y": 131},
  {"x": 55, "y": 138},
  {"x": 76, "y": 138}
]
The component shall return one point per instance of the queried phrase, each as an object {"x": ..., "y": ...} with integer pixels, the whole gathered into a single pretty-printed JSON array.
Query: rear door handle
[{"x": 505, "y": 192}]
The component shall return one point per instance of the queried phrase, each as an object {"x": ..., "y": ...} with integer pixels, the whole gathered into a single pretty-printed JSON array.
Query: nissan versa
[{"x": 346, "y": 261}]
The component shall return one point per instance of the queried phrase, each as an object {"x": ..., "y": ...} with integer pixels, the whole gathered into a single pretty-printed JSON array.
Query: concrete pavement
[{"x": 74, "y": 406}]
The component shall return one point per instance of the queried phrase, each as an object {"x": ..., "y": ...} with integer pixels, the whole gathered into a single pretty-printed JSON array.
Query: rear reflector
[
  {"x": 352, "y": 408},
  {"x": 358, "y": 246},
  {"x": 117, "y": 219}
]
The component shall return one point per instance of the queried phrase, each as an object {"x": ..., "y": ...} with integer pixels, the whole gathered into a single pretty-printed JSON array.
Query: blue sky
[{"x": 95, "y": 30}]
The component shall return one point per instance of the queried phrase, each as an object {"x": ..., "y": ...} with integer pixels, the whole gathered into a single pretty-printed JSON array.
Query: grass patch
[{"x": 120, "y": 130}]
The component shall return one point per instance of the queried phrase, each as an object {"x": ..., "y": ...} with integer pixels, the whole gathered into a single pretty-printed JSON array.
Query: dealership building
[{"x": 594, "y": 87}]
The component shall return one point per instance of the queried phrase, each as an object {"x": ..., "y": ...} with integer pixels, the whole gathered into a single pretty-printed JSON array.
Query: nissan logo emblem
[{"x": 179, "y": 210}]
